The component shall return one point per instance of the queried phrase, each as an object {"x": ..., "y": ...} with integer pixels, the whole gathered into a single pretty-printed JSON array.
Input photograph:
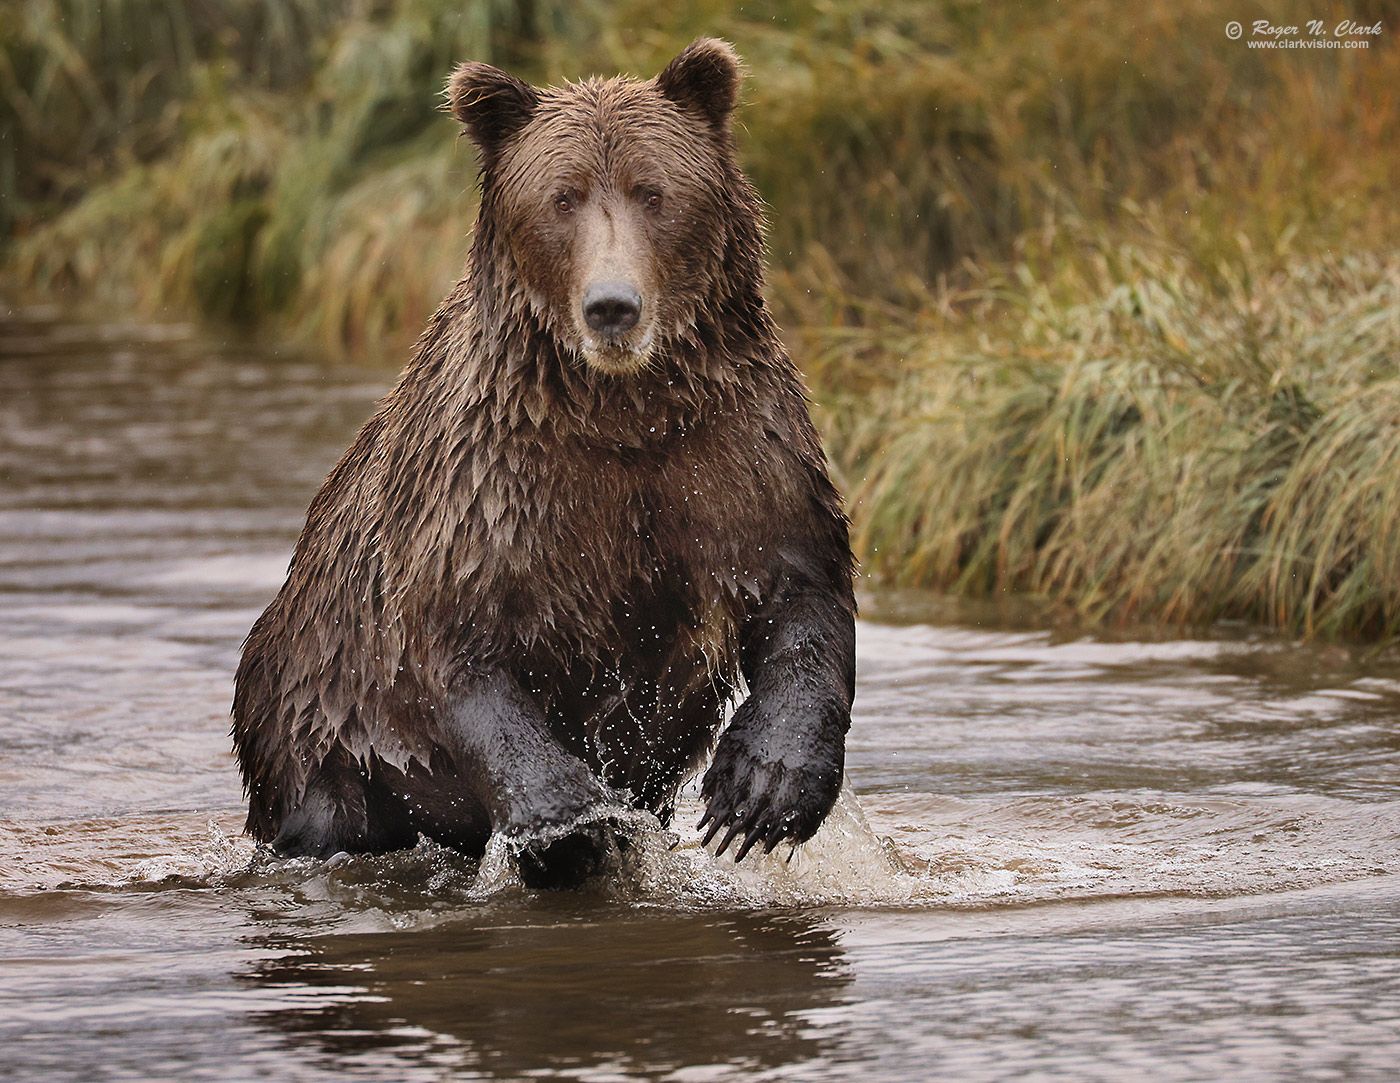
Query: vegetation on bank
[
  {"x": 1164, "y": 449},
  {"x": 1097, "y": 305}
]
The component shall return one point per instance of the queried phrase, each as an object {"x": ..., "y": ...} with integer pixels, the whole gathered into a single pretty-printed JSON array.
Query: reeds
[
  {"x": 1166, "y": 449},
  {"x": 894, "y": 142},
  {"x": 258, "y": 160}
]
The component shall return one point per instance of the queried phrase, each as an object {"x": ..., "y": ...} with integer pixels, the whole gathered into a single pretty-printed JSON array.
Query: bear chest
[{"x": 600, "y": 547}]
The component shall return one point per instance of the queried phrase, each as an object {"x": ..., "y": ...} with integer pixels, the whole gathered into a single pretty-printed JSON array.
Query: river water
[{"x": 1066, "y": 857}]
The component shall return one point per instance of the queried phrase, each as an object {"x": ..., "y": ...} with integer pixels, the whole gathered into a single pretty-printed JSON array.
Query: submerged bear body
[{"x": 591, "y": 512}]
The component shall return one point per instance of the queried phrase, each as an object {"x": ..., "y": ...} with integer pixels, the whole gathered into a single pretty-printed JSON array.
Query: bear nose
[{"x": 612, "y": 307}]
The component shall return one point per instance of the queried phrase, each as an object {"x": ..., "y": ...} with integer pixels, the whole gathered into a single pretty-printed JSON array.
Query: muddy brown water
[{"x": 1086, "y": 857}]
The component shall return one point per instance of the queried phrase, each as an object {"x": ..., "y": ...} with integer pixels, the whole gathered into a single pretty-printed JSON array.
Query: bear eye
[
  {"x": 651, "y": 199},
  {"x": 564, "y": 202}
]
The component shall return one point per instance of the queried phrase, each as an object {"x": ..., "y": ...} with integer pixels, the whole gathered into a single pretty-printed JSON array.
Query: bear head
[{"x": 617, "y": 202}]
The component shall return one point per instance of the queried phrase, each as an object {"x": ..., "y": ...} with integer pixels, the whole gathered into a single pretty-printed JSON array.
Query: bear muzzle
[
  {"x": 611, "y": 308},
  {"x": 615, "y": 337}
]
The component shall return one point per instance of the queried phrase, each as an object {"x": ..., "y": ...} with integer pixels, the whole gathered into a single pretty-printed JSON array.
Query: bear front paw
[
  {"x": 548, "y": 797},
  {"x": 767, "y": 784},
  {"x": 566, "y": 862}
]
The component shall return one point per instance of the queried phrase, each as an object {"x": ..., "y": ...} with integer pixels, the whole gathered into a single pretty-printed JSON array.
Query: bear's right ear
[{"x": 491, "y": 104}]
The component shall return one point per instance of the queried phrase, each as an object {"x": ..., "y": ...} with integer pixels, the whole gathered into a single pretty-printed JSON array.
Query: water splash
[
  {"x": 845, "y": 863},
  {"x": 218, "y": 856}
]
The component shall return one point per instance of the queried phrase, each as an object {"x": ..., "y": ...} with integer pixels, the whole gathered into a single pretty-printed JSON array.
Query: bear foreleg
[
  {"x": 778, "y": 767},
  {"x": 546, "y": 801}
]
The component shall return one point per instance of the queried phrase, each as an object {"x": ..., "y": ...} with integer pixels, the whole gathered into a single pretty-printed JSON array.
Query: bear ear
[
  {"x": 491, "y": 104},
  {"x": 705, "y": 77}
]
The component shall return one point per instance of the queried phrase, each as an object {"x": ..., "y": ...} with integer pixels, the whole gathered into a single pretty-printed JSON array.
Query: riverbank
[
  {"x": 1095, "y": 309},
  {"x": 1167, "y": 448}
]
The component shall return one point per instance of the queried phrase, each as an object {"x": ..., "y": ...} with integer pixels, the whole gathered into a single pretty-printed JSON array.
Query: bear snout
[{"x": 611, "y": 308}]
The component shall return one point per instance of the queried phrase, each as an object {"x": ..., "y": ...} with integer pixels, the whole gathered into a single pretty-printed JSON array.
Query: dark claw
[
  {"x": 716, "y": 822},
  {"x": 755, "y": 833},
  {"x": 729, "y": 837}
]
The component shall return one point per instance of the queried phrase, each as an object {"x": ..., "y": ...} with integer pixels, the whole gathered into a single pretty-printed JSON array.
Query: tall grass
[
  {"x": 88, "y": 87},
  {"x": 266, "y": 160},
  {"x": 1166, "y": 448},
  {"x": 893, "y": 141}
]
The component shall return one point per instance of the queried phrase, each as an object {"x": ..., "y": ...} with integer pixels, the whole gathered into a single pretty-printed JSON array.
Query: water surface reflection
[{"x": 560, "y": 987}]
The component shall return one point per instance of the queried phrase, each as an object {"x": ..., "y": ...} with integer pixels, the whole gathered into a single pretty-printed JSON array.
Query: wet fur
[{"x": 531, "y": 586}]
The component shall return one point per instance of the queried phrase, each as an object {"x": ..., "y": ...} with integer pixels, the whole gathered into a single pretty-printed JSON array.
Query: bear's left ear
[
  {"x": 705, "y": 77},
  {"x": 491, "y": 104}
]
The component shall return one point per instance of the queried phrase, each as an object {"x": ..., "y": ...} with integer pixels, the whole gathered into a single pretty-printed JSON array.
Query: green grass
[{"x": 1096, "y": 306}]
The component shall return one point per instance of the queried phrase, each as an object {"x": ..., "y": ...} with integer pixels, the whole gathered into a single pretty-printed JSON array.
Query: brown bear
[{"x": 592, "y": 510}]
